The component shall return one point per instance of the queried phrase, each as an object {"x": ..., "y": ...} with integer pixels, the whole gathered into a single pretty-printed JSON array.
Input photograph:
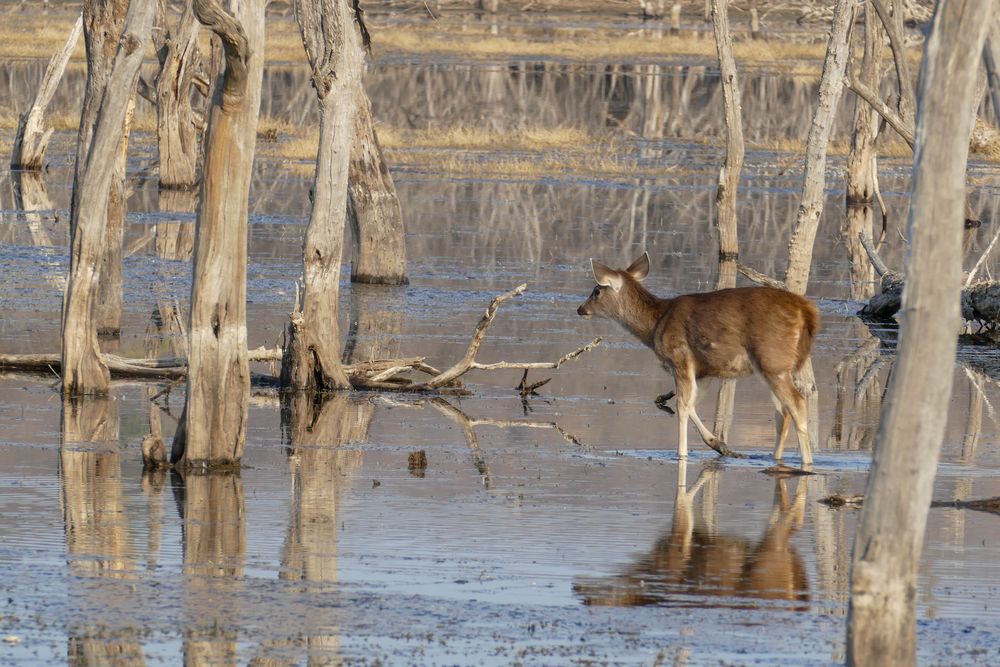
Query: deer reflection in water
[{"x": 692, "y": 564}]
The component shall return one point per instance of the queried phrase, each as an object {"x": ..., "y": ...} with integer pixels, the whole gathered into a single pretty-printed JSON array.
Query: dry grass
[{"x": 30, "y": 35}]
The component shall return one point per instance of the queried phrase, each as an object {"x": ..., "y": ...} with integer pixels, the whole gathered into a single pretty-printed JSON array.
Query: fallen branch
[
  {"x": 980, "y": 302},
  {"x": 378, "y": 374},
  {"x": 760, "y": 278}
]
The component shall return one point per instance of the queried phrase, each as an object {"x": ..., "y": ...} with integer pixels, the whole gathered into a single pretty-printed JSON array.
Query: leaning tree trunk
[
  {"x": 312, "y": 355},
  {"x": 32, "y": 139},
  {"x": 889, "y": 538},
  {"x": 800, "y": 248},
  {"x": 83, "y": 371},
  {"x": 373, "y": 211},
  {"x": 725, "y": 198},
  {"x": 212, "y": 432}
]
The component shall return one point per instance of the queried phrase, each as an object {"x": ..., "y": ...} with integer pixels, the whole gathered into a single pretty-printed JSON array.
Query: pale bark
[
  {"x": 862, "y": 163},
  {"x": 110, "y": 288},
  {"x": 725, "y": 198},
  {"x": 176, "y": 128},
  {"x": 212, "y": 431},
  {"x": 889, "y": 538},
  {"x": 729, "y": 174},
  {"x": 373, "y": 207},
  {"x": 800, "y": 248},
  {"x": 83, "y": 370},
  {"x": 32, "y": 138},
  {"x": 332, "y": 44}
]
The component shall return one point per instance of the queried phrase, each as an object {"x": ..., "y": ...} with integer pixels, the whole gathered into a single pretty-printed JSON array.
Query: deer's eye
[{"x": 596, "y": 293}]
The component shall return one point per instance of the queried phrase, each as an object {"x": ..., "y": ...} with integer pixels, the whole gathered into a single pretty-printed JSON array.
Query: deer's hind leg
[
  {"x": 687, "y": 395},
  {"x": 792, "y": 406}
]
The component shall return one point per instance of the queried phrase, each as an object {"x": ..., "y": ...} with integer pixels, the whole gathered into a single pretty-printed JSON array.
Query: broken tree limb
[{"x": 760, "y": 278}]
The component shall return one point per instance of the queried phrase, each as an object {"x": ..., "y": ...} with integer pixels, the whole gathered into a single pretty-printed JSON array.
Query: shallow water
[{"x": 518, "y": 543}]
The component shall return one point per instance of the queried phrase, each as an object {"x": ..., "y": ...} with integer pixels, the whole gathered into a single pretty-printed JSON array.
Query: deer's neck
[{"x": 640, "y": 313}]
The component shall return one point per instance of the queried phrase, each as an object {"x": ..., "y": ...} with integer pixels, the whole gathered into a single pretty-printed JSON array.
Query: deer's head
[{"x": 610, "y": 296}]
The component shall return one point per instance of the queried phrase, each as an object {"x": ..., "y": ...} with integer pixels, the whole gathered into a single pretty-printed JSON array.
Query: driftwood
[
  {"x": 980, "y": 300},
  {"x": 379, "y": 374}
]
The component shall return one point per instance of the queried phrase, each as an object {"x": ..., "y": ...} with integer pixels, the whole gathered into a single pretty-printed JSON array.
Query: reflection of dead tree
[
  {"x": 691, "y": 559},
  {"x": 860, "y": 393},
  {"x": 98, "y": 541},
  {"x": 214, "y": 537}
]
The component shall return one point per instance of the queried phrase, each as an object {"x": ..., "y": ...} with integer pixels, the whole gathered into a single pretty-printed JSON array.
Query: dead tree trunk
[
  {"x": 110, "y": 289},
  {"x": 725, "y": 197},
  {"x": 862, "y": 163},
  {"x": 83, "y": 371},
  {"x": 32, "y": 138},
  {"x": 212, "y": 431},
  {"x": 373, "y": 207},
  {"x": 800, "y": 248},
  {"x": 882, "y": 617},
  {"x": 176, "y": 128},
  {"x": 312, "y": 355},
  {"x": 729, "y": 174}
]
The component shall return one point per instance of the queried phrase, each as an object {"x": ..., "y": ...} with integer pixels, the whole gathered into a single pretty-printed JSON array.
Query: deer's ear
[
  {"x": 639, "y": 269},
  {"x": 606, "y": 276}
]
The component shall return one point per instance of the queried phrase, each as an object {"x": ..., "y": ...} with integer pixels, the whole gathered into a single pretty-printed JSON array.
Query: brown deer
[{"x": 725, "y": 334}]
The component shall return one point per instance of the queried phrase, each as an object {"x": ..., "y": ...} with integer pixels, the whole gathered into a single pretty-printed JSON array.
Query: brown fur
[{"x": 728, "y": 333}]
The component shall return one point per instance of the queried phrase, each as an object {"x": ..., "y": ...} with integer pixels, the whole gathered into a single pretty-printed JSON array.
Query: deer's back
[{"x": 729, "y": 332}]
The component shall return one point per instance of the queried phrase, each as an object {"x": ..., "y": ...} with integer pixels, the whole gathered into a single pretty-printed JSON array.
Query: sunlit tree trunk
[
  {"x": 312, "y": 353},
  {"x": 800, "y": 248},
  {"x": 177, "y": 133},
  {"x": 725, "y": 198},
  {"x": 101, "y": 132},
  {"x": 882, "y": 618},
  {"x": 212, "y": 431}
]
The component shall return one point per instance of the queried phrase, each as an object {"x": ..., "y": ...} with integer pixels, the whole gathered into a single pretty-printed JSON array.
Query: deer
[{"x": 728, "y": 333}]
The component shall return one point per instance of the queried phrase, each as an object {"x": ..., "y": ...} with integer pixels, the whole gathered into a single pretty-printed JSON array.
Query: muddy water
[{"x": 519, "y": 542}]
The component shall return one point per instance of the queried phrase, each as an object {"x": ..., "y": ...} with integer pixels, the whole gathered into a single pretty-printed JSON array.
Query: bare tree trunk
[
  {"x": 725, "y": 197},
  {"x": 83, "y": 371},
  {"x": 212, "y": 431},
  {"x": 373, "y": 207},
  {"x": 800, "y": 248},
  {"x": 32, "y": 139},
  {"x": 889, "y": 538},
  {"x": 312, "y": 355},
  {"x": 110, "y": 289},
  {"x": 729, "y": 175},
  {"x": 177, "y": 134},
  {"x": 862, "y": 163}
]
